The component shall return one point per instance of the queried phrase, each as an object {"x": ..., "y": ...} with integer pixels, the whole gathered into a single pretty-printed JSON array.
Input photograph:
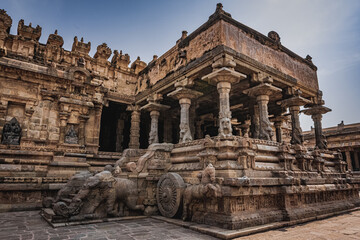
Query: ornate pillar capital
[
  {"x": 223, "y": 76},
  {"x": 316, "y": 113},
  {"x": 294, "y": 102},
  {"x": 263, "y": 89},
  {"x": 133, "y": 108},
  {"x": 262, "y": 93},
  {"x": 183, "y": 92}
]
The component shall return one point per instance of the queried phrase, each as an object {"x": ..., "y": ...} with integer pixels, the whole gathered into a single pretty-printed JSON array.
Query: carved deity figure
[
  {"x": 11, "y": 133},
  {"x": 71, "y": 136}
]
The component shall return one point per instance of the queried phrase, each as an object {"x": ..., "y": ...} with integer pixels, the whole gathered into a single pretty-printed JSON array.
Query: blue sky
[{"x": 328, "y": 30}]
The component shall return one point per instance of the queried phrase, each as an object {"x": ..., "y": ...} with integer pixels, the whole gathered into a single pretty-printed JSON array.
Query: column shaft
[
  {"x": 319, "y": 137},
  {"x": 296, "y": 136},
  {"x": 278, "y": 131},
  {"x": 154, "y": 135},
  {"x": 255, "y": 122},
  {"x": 225, "y": 128},
  {"x": 135, "y": 129},
  {"x": 266, "y": 131},
  {"x": 185, "y": 131}
]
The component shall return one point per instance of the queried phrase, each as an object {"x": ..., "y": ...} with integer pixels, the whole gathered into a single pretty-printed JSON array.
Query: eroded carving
[
  {"x": 71, "y": 136},
  {"x": 206, "y": 189},
  {"x": 11, "y": 133},
  {"x": 101, "y": 195}
]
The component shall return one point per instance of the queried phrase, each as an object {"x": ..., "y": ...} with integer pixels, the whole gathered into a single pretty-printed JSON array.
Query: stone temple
[{"x": 208, "y": 132}]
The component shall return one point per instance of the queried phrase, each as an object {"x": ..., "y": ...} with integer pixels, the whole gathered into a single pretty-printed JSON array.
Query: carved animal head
[
  {"x": 225, "y": 126},
  {"x": 208, "y": 175},
  {"x": 102, "y": 179},
  {"x": 61, "y": 209}
]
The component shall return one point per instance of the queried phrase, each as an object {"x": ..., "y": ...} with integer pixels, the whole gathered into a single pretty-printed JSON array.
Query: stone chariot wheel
[{"x": 169, "y": 194}]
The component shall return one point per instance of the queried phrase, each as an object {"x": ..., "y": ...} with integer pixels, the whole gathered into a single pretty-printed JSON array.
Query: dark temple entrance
[{"x": 115, "y": 128}]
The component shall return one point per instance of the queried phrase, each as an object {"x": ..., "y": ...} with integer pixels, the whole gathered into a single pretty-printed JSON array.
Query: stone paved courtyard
[{"x": 29, "y": 225}]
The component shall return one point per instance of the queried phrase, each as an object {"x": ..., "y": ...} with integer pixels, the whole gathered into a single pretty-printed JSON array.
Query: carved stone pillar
[
  {"x": 154, "y": 127},
  {"x": 316, "y": 113},
  {"x": 255, "y": 122},
  {"x": 262, "y": 93},
  {"x": 245, "y": 127},
  {"x": 225, "y": 128},
  {"x": 135, "y": 126},
  {"x": 154, "y": 108},
  {"x": 294, "y": 104},
  {"x": 192, "y": 116},
  {"x": 185, "y": 131},
  {"x": 278, "y": 121},
  {"x": 296, "y": 137},
  {"x": 223, "y": 76},
  {"x": 184, "y": 95},
  {"x": 348, "y": 160}
]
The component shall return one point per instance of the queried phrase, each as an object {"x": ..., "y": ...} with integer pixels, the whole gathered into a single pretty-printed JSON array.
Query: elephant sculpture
[
  {"x": 74, "y": 184},
  {"x": 101, "y": 195}
]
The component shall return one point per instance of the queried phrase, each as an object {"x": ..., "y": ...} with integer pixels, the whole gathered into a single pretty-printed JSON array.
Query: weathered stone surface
[{"x": 230, "y": 83}]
